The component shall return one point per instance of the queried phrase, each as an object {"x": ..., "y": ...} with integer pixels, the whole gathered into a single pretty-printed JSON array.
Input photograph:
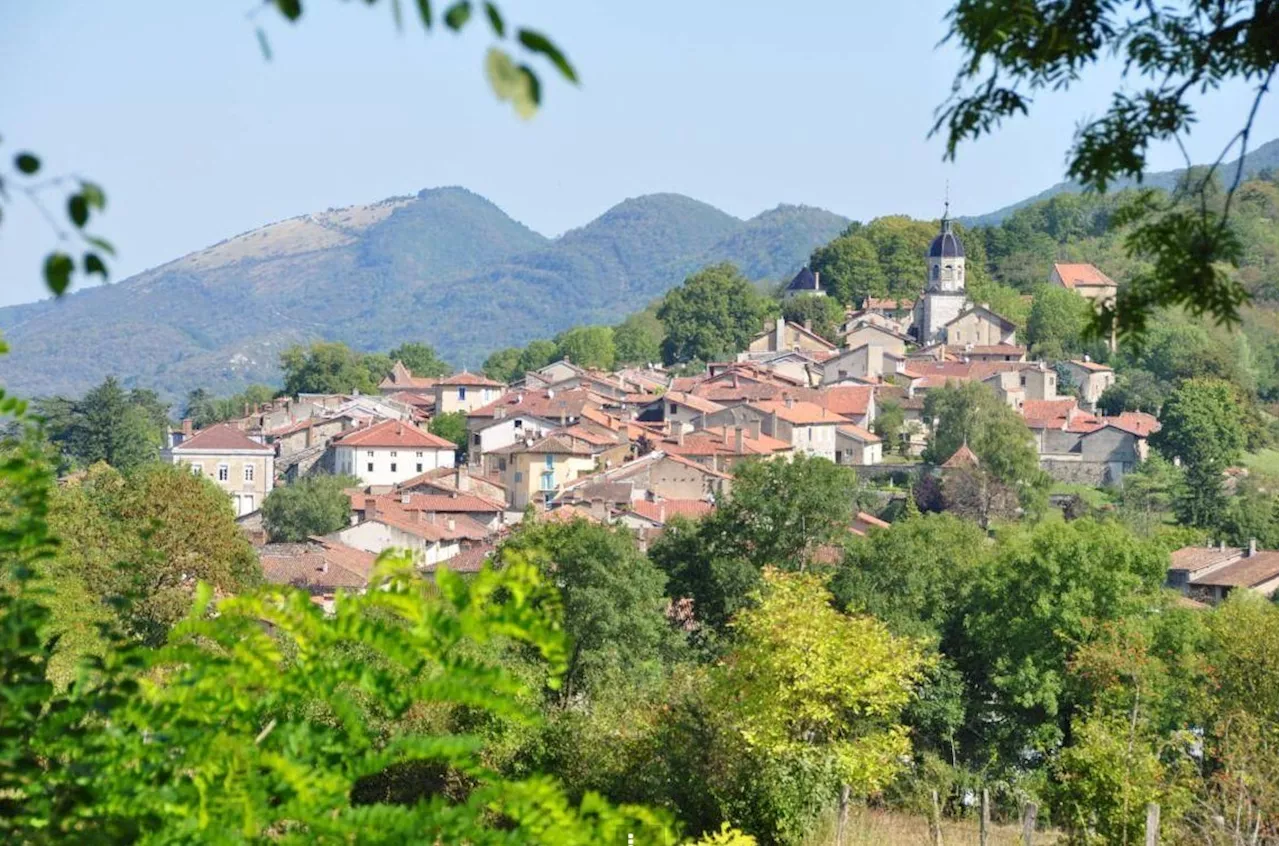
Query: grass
[
  {"x": 1263, "y": 461},
  {"x": 868, "y": 827},
  {"x": 1093, "y": 497}
]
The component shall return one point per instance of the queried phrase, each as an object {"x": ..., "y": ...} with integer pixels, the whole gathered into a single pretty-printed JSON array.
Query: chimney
[
  {"x": 461, "y": 480},
  {"x": 597, "y": 509},
  {"x": 406, "y": 498},
  {"x": 817, "y": 281},
  {"x": 808, "y": 326},
  {"x": 1087, "y": 359},
  {"x": 370, "y": 507},
  {"x": 451, "y": 524},
  {"x": 779, "y": 334},
  {"x": 753, "y": 429},
  {"x": 735, "y": 380},
  {"x": 789, "y": 401},
  {"x": 186, "y": 427},
  {"x": 1222, "y": 546},
  {"x": 247, "y": 411},
  {"x": 737, "y": 440},
  {"x": 1253, "y": 547},
  {"x": 623, "y": 437},
  {"x": 680, "y": 436}
]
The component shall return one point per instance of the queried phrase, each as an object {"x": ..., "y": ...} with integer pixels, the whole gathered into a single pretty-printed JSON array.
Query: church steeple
[{"x": 946, "y": 256}]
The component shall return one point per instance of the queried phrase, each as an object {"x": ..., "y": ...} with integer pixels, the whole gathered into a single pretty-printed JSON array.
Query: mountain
[
  {"x": 1266, "y": 157},
  {"x": 444, "y": 266}
]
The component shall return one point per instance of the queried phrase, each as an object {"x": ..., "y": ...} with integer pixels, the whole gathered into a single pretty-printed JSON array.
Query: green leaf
[
  {"x": 535, "y": 85},
  {"x": 93, "y": 263},
  {"x": 102, "y": 244},
  {"x": 424, "y": 12},
  {"x": 263, "y": 44},
  {"x": 291, "y": 9},
  {"x": 396, "y": 16},
  {"x": 539, "y": 43},
  {"x": 57, "y": 272},
  {"x": 77, "y": 210},
  {"x": 510, "y": 83},
  {"x": 93, "y": 194},
  {"x": 495, "y": 20},
  {"x": 26, "y": 163},
  {"x": 458, "y": 15}
]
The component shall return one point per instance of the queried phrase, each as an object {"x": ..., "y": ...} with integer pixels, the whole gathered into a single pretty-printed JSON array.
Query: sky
[{"x": 196, "y": 137}]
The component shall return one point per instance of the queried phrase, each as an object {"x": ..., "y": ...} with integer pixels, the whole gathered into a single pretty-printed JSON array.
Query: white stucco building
[{"x": 390, "y": 452}]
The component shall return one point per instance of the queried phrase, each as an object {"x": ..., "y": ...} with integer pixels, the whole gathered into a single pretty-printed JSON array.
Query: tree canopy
[
  {"x": 313, "y": 505},
  {"x": 712, "y": 315}
]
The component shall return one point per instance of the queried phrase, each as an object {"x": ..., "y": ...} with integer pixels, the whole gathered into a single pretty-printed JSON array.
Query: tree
[
  {"x": 1057, "y": 323},
  {"x": 823, "y": 315},
  {"x": 421, "y": 359},
  {"x": 537, "y": 354},
  {"x": 503, "y": 365},
  {"x": 849, "y": 267},
  {"x": 778, "y": 514},
  {"x": 1201, "y": 424},
  {"x": 614, "y": 608},
  {"x": 711, "y": 316},
  {"x": 1133, "y": 390},
  {"x": 638, "y": 339},
  {"x": 807, "y": 683},
  {"x": 204, "y": 409},
  {"x": 888, "y": 426},
  {"x": 587, "y": 346},
  {"x": 1009, "y": 468},
  {"x": 1044, "y": 595},
  {"x": 107, "y": 424},
  {"x": 1011, "y": 51},
  {"x": 1253, "y": 514},
  {"x": 327, "y": 368},
  {"x": 314, "y": 505},
  {"x": 1147, "y": 495},
  {"x": 146, "y": 537},
  {"x": 452, "y": 426}
]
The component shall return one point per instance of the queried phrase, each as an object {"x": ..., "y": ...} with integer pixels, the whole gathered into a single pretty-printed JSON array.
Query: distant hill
[
  {"x": 445, "y": 266},
  {"x": 1266, "y": 157}
]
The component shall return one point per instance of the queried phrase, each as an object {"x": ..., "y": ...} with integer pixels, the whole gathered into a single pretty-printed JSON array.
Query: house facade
[
  {"x": 390, "y": 452},
  {"x": 465, "y": 392},
  {"x": 241, "y": 466}
]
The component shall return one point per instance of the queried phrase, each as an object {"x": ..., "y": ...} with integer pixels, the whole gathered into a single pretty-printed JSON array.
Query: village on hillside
[{"x": 641, "y": 447}]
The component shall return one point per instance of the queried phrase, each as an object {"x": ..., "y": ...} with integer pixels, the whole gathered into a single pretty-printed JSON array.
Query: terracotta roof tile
[
  {"x": 220, "y": 437},
  {"x": 469, "y": 379},
  {"x": 1082, "y": 275},
  {"x": 663, "y": 510},
  {"x": 801, "y": 413},
  {"x": 320, "y": 565},
  {"x": 394, "y": 433}
]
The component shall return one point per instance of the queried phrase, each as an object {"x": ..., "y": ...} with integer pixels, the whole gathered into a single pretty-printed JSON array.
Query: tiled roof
[
  {"x": 1249, "y": 571},
  {"x": 469, "y": 379},
  {"x": 961, "y": 350},
  {"x": 801, "y": 413},
  {"x": 662, "y": 511},
  {"x": 425, "y": 524},
  {"x": 557, "y": 443},
  {"x": 962, "y": 457},
  {"x": 870, "y": 520},
  {"x": 887, "y": 304},
  {"x": 693, "y": 401},
  {"x": 220, "y": 437},
  {"x": 462, "y": 503},
  {"x": 319, "y": 564},
  {"x": 1000, "y": 318},
  {"x": 899, "y": 396},
  {"x": 469, "y": 560},
  {"x": 1047, "y": 414},
  {"x": 402, "y": 377},
  {"x": 414, "y": 399},
  {"x": 1137, "y": 422},
  {"x": 849, "y": 400},
  {"x": 721, "y": 440},
  {"x": 1091, "y": 365},
  {"x": 859, "y": 434},
  {"x": 1082, "y": 275},
  {"x": 547, "y": 404},
  {"x": 567, "y": 514},
  {"x": 445, "y": 479},
  {"x": 394, "y": 433}
]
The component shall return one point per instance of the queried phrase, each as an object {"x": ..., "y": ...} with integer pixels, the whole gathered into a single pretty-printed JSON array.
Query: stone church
[{"x": 944, "y": 297}]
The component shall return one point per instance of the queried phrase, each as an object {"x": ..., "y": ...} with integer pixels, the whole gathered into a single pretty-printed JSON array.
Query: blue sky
[{"x": 743, "y": 105}]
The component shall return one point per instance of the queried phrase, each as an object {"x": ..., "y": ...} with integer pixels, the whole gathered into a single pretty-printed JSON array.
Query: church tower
[{"x": 944, "y": 296}]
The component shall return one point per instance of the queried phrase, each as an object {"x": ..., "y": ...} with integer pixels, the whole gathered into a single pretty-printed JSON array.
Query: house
[
  {"x": 521, "y": 412},
  {"x": 431, "y": 538},
  {"x": 882, "y": 336},
  {"x": 1078, "y": 447},
  {"x": 464, "y": 392},
  {"x": 655, "y": 475},
  {"x": 805, "y": 282},
  {"x": 320, "y": 566},
  {"x": 464, "y": 480},
  {"x": 914, "y": 434},
  {"x": 241, "y": 466},
  {"x": 854, "y": 402},
  {"x": 980, "y": 326},
  {"x": 402, "y": 379},
  {"x": 680, "y": 409},
  {"x": 784, "y": 336},
  {"x": 390, "y": 452},
  {"x": 534, "y": 470},
  {"x": 1085, "y": 280},
  {"x": 1210, "y": 573},
  {"x": 857, "y": 446},
  {"x": 808, "y": 427},
  {"x": 868, "y": 361},
  {"x": 864, "y": 522},
  {"x": 1091, "y": 379},
  {"x": 992, "y": 352},
  {"x": 480, "y": 510}
]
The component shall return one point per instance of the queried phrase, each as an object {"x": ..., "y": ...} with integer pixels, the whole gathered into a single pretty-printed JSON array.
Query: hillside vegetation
[{"x": 445, "y": 266}]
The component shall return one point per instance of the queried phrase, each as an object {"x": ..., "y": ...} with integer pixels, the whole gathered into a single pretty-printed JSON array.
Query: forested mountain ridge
[
  {"x": 1266, "y": 157},
  {"x": 445, "y": 266}
]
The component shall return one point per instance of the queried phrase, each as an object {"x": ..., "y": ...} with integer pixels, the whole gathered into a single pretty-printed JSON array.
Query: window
[
  {"x": 248, "y": 472},
  {"x": 370, "y": 466},
  {"x": 810, "y": 431},
  {"x": 462, "y": 393},
  {"x": 224, "y": 472},
  {"x": 393, "y": 453},
  {"x": 369, "y": 453},
  {"x": 393, "y": 467},
  {"x": 551, "y": 461},
  {"x": 671, "y": 408},
  {"x": 198, "y": 469},
  {"x": 475, "y": 440},
  {"x": 548, "y": 481},
  {"x": 419, "y": 466},
  {"x": 935, "y": 271},
  {"x": 419, "y": 453},
  {"x": 519, "y": 476},
  {"x": 518, "y": 423}
]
